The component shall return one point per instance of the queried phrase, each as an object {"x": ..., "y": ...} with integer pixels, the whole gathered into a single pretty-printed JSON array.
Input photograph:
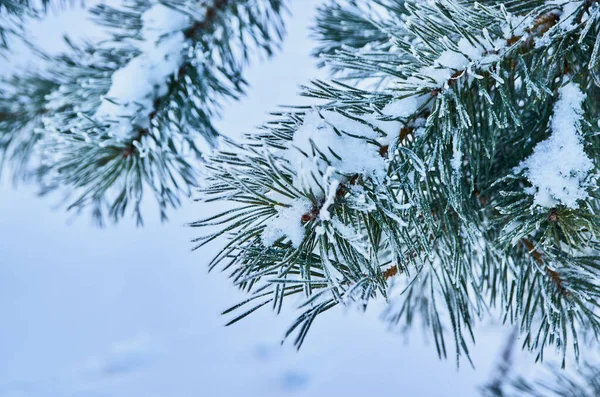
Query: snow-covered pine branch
[
  {"x": 115, "y": 120},
  {"x": 419, "y": 178},
  {"x": 559, "y": 168}
]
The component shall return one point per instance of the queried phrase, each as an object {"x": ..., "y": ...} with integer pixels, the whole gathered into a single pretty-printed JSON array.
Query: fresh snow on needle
[
  {"x": 136, "y": 85},
  {"x": 464, "y": 57},
  {"x": 457, "y": 155},
  {"x": 569, "y": 10},
  {"x": 404, "y": 107},
  {"x": 287, "y": 223},
  {"x": 325, "y": 151},
  {"x": 346, "y": 154},
  {"x": 558, "y": 168}
]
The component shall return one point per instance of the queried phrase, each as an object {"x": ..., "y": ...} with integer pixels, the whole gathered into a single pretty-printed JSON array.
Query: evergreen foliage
[
  {"x": 449, "y": 167},
  {"x": 108, "y": 121}
]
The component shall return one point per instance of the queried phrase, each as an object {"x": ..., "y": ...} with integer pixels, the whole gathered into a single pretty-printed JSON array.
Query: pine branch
[
  {"x": 104, "y": 147},
  {"x": 161, "y": 102},
  {"x": 423, "y": 188}
]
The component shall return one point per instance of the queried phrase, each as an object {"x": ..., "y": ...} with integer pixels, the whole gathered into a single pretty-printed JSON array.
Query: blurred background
[{"x": 126, "y": 311}]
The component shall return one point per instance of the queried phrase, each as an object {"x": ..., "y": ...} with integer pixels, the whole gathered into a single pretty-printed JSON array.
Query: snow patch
[
  {"x": 323, "y": 141},
  {"x": 569, "y": 10},
  {"x": 404, "y": 107},
  {"x": 464, "y": 57},
  {"x": 287, "y": 223},
  {"x": 331, "y": 193},
  {"x": 326, "y": 150},
  {"x": 134, "y": 88},
  {"x": 558, "y": 168},
  {"x": 457, "y": 155}
]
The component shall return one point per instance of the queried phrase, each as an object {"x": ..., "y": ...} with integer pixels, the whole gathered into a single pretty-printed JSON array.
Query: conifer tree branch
[
  {"x": 422, "y": 188},
  {"x": 197, "y": 29},
  {"x": 102, "y": 145}
]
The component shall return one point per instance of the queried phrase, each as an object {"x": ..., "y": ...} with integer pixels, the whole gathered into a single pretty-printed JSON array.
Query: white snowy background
[{"x": 126, "y": 311}]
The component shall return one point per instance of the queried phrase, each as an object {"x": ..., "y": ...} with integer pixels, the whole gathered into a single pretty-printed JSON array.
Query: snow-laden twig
[{"x": 559, "y": 168}]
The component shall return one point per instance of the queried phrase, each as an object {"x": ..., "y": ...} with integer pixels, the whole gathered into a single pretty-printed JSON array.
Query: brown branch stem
[{"x": 539, "y": 258}]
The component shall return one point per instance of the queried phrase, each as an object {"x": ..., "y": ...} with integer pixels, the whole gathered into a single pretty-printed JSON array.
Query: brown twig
[
  {"x": 539, "y": 258},
  {"x": 553, "y": 215},
  {"x": 405, "y": 132},
  {"x": 339, "y": 193}
]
